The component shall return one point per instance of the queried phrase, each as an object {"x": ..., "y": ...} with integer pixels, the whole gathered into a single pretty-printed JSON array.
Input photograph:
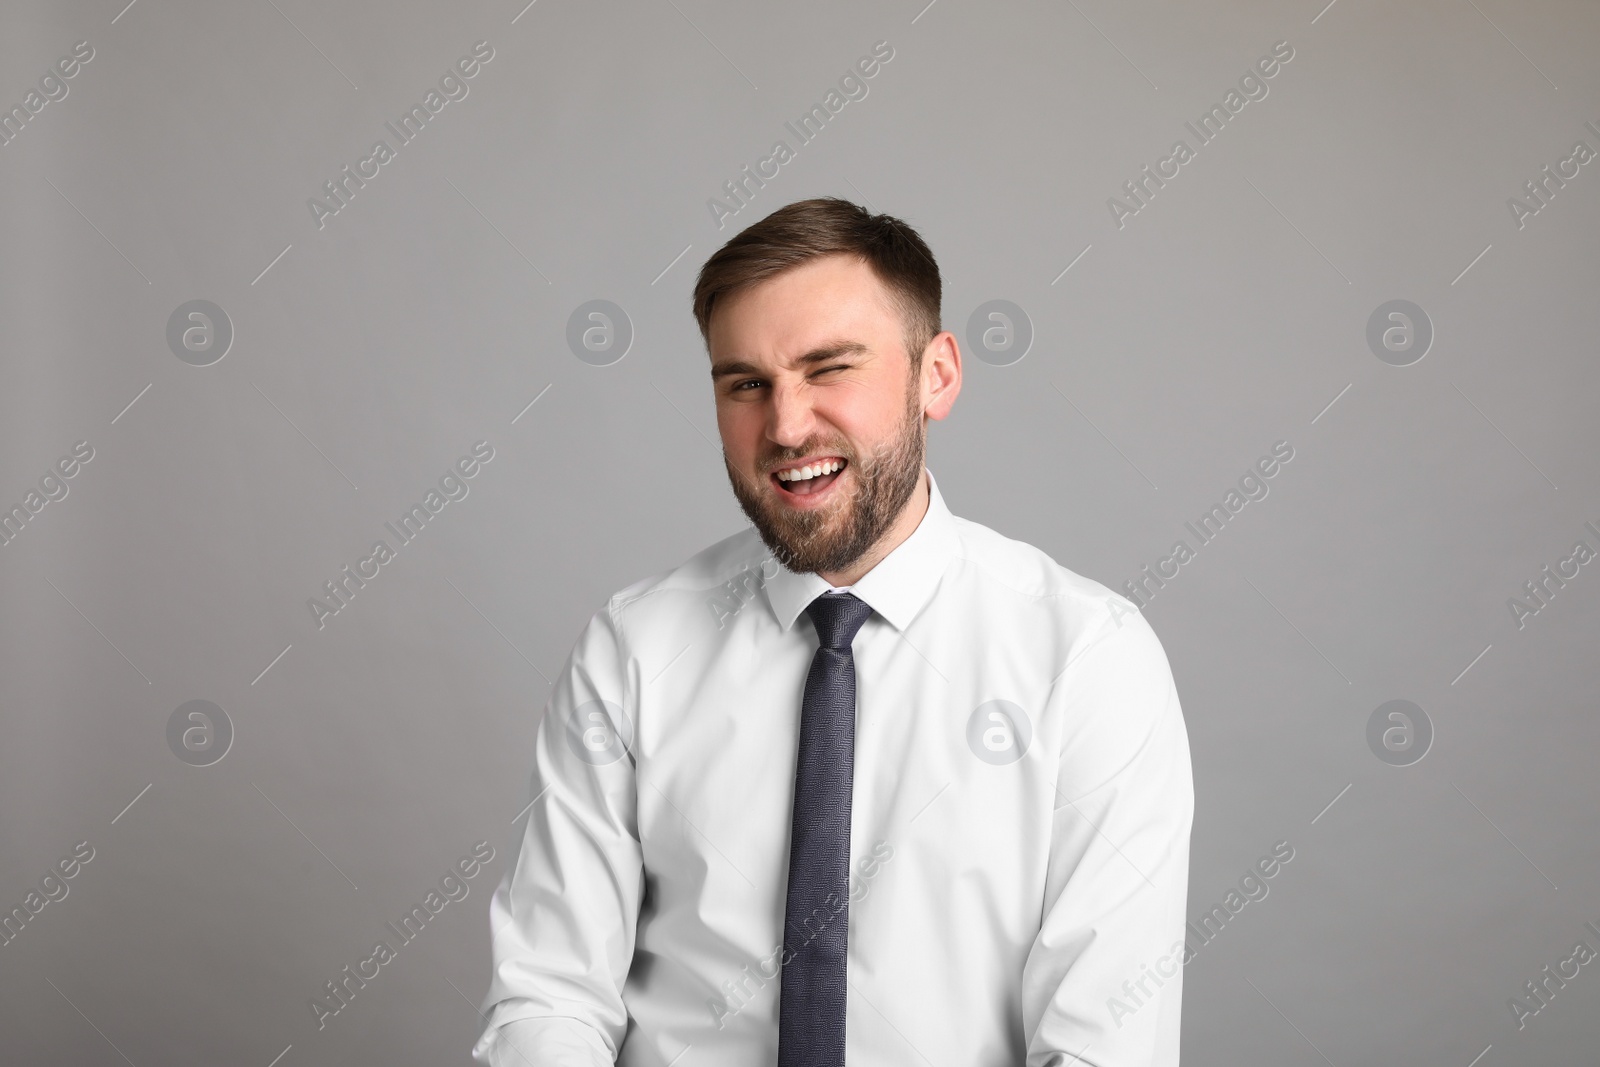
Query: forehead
[{"x": 827, "y": 298}]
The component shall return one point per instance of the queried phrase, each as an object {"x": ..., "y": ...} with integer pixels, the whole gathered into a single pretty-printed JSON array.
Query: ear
[{"x": 941, "y": 375}]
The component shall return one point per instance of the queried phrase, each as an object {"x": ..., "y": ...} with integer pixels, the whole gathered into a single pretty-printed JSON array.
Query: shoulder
[
  {"x": 1076, "y": 608},
  {"x": 1055, "y": 610},
  {"x": 1109, "y": 689},
  {"x": 728, "y": 564},
  {"x": 638, "y": 621}
]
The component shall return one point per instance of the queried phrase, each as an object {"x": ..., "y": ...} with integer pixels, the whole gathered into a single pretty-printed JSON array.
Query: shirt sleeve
[
  {"x": 1103, "y": 981},
  {"x": 564, "y": 916}
]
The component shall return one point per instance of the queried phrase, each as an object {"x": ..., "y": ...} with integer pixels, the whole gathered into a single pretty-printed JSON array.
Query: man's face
[{"x": 810, "y": 370}]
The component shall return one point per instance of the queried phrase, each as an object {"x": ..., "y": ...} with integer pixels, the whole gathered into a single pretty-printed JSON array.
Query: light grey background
[{"x": 369, "y": 354}]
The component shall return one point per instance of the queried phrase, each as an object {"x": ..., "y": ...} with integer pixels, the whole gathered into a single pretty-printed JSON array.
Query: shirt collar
[{"x": 897, "y": 588}]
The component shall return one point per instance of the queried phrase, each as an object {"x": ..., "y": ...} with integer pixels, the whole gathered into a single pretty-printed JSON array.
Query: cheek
[
  {"x": 897, "y": 420},
  {"x": 862, "y": 411},
  {"x": 739, "y": 426}
]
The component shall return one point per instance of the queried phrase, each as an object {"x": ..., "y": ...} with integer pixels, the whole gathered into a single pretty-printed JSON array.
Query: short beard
[{"x": 833, "y": 538}]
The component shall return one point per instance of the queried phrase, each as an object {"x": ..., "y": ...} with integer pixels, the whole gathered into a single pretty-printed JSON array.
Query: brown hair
[{"x": 806, "y": 229}]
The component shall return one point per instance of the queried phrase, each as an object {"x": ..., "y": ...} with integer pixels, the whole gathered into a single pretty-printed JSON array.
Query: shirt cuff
[{"x": 542, "y": 1043}]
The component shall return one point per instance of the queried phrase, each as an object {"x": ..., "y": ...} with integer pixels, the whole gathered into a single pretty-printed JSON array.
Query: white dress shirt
[{"x": 1019, "y": 835}]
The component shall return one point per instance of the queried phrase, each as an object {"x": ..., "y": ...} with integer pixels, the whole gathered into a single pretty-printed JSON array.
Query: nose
[{"x": 790, "y": 418}]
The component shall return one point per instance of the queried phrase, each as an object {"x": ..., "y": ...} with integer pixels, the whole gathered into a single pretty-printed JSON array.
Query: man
[{"x": 866, "y": 782}]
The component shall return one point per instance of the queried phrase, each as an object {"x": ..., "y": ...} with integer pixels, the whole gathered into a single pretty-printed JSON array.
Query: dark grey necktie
[{"x": 811, "y": 1005}]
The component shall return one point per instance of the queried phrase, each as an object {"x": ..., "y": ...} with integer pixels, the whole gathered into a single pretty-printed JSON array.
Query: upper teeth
[{"x": 800, "y": 474}]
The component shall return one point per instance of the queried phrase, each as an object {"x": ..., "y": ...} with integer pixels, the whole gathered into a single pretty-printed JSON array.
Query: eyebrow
[{"x": 829, "y": 351}]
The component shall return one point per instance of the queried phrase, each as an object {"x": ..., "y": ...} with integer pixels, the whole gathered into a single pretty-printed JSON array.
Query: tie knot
[{"x": 837, "y": 617}]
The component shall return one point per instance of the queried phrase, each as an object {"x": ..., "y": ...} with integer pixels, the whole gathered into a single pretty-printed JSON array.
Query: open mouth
[{"x": 809, "y": 480}]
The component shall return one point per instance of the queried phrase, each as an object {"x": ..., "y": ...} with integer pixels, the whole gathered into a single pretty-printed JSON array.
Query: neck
[{"x": 904, "y": 525}]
